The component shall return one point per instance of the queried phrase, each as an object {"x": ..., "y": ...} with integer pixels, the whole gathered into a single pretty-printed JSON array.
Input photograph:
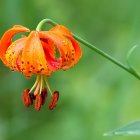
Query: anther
[
  {"x": 38, "y": 102},
  {"x": 44, "y": 95},
  {"x": 32, "y": 96},
  {"x": 27, "y": 101},
  {"x": 53, "y": 100}
]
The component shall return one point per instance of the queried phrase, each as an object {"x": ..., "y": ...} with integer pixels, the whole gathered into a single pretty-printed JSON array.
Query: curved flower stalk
[
  {"x": 129, "y": 68},
  {"x": 40, "y": 53}
]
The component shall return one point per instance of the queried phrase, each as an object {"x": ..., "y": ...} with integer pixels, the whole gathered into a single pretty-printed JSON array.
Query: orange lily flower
[{"x": 40, "y": 53}]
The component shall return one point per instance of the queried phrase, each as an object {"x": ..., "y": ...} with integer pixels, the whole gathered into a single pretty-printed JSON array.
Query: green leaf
[{"x": 127, "y": 130}]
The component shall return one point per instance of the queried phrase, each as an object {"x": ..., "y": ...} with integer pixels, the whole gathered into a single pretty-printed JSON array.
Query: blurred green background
[{"x": 95, "y": 96}]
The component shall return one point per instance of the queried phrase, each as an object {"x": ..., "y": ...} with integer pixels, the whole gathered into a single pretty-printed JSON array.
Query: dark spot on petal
[
  {"x": 66, "y": 54},
  {"x": 41, "y": 69}
]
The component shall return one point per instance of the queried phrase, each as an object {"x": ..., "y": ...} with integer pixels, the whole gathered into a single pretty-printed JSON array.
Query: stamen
[
  {"x": 26, "y": 98},
  {"x": 38, "y": 102},
  {"x": 48, "y": 86},
  {"x": 33, "y": 97},
  {"x": 40, "y": 94},
  {"x": 37, "y": 88},
  {"x": 54, "y": 99},
  {"x": 35, "y": 84},
  {"x": 44, "y": 95},
  {"x": 41, "y": 84}
]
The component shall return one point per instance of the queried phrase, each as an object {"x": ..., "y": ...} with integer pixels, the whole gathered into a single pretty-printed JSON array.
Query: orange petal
[
  {"x": 63, "y": 45},
  {"x": 33, "y": 58},
  {"x": 64, "y": 31},
  {"x": 14, "y": 52},
  {"x": 61, "y": 30},
  {"x": 6, "y": 39},
  {"x": 50, "y": 53},
  {"x": 78, "y": 51}
]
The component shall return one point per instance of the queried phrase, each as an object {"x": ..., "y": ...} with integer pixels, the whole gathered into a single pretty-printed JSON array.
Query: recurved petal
[
  {"x": 53, "y": 63},
  {"x": 65, "y": 32},
  {"x": 6, "y": 39},
  {"x": 14, "y": 53},
  {"x": 33, "y": 59},
  {"x": 62, "y": 30},
  {"x": 64, "y": 47},
  {"x": 78, "y": 51}
]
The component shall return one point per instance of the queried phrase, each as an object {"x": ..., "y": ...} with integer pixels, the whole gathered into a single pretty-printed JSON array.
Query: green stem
[
  {"x": 115, "y": 61},
  {"x": 92, "y": 47},
  {"x": 42, "y": 22}
]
